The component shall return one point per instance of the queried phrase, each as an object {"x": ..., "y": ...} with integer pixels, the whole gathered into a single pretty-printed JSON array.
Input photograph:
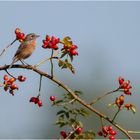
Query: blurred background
[{"x": 108, "y": 39}]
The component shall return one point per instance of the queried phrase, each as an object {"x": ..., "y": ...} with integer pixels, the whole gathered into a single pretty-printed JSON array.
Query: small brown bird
[{"x": 25, "y": 49}]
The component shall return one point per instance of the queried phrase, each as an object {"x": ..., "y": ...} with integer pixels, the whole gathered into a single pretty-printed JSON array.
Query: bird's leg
[{"x": 24, "y": 63}]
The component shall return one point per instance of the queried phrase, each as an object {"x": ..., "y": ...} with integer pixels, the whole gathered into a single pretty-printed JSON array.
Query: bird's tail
[{"x": 14, "y": 60}]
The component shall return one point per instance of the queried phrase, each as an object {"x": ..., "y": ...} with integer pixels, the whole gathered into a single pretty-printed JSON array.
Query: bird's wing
[
  {"x": 20, "y": 49},
  {"x": 18, "y": 52},
  {"x": 15, "y": 59}
]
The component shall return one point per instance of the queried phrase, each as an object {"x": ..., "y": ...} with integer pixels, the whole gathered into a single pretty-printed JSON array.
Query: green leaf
[
  {"x": 67, "y": 41},
  {"x": 60, "y": 112},
  {"x": 69, "y": 65},
  {"x": 78, "y": 92},
  {"x": 66, "y": 64},
  {"x": 79, "y": 123},
  {"x": 71, "y": 57},
  {"x": 71, "y": 121},
  {"x": 84, "y": 112},
  {"x": 61, "y": 118},
  {"x": 57, "y": 102},
  {"x": 63, "y": 54},
  {"x": 67, "y": 114},
  {"x": 133, "y": 108},
  {"x": 74, "y": 111},
  {"x": 61, "y": 124},
  {"x": 68, "y": 96},
  {"x": 60, "y": 63},
  {"x": 71, "y": 68},
  {"x": 65, "y": 107},
  {"x": 87, "y": 134}
]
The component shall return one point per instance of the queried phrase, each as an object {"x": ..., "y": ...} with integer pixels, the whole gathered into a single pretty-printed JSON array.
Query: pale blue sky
[{"x": 108, "y": 37}]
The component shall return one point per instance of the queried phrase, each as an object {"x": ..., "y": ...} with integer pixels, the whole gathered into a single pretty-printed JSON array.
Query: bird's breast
[{"x": 33, "y": 43}]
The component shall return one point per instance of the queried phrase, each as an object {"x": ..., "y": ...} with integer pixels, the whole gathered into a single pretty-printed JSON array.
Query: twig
[
  {"x": 71, "y": 133},
  {"x": 98, "y": 113},
  {"x": 8, "y": 47},
  {"x": 40, "y": 82},
  {"x": 66, "y": 103},
  {"x": 133, "y": 132},
  {"x": 101, "y": 119},
  {"x": 9, "y": 74},
  {"x": 115, "y": 115},
  {"x": 102, "y": 96},
  {"x": 46, "y": 59},
  {"x": 51, "y": 63}
]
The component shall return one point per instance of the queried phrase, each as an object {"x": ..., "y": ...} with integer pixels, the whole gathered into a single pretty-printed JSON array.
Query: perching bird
[{"x": 25, "y": 49}]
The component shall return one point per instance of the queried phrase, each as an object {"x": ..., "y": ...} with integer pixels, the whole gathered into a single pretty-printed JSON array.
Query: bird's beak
[{"x": 37, "y": 36}]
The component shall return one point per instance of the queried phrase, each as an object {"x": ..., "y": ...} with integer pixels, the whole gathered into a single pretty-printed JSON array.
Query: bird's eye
[{"x": 32, "y": 36}]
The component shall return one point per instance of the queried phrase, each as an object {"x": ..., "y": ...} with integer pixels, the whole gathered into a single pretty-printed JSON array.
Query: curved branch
[{"x": 65, "y": 87}]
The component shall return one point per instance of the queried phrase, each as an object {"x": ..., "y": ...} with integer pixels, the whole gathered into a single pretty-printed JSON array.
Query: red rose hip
[
  {"x": 74, "y": 47},
  {"x": 79, "y": 130},
  {"x": 39, "y": 103},
  {"x": 112, "y": 132},
  {"x": 63, "y": 134},
  {"x": 33, "y": 99},
  {"x": 14, "y": 86},
  {"x": 21, "y": 78},
  {"x": 45, "y": 42},
  {"x": 11, "y": 80},
  {"x": 17, "y": 30},
  {"x": 73, "y": 52},
  {"x": 52, "y": 98},
  {"x": 111, "y": 137},
  {"x": 5, "y": 77},
  {"x": 110, "y": 128}
]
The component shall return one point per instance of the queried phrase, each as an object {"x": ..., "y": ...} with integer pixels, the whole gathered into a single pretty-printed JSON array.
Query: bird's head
[{"x": 31, "y": 37}]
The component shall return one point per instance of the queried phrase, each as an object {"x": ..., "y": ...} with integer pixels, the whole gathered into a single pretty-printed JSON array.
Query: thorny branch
[{"x": 65, "y": 87}]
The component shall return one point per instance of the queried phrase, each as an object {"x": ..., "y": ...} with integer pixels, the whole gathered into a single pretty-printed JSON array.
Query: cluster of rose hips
[
  {"x": 36, "y": 100},
  {"x": 125, "y": 85},
  {"x": 50, "y": 42},
  {"x": 119, "y": 101},
  {"x": 78, "y": 131},
  {"x": 9, "y": 83},
  {"x": 71, "y": 50},
  {"x": 19, "y": 35},
  {"x": 107, "y": 131}
]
